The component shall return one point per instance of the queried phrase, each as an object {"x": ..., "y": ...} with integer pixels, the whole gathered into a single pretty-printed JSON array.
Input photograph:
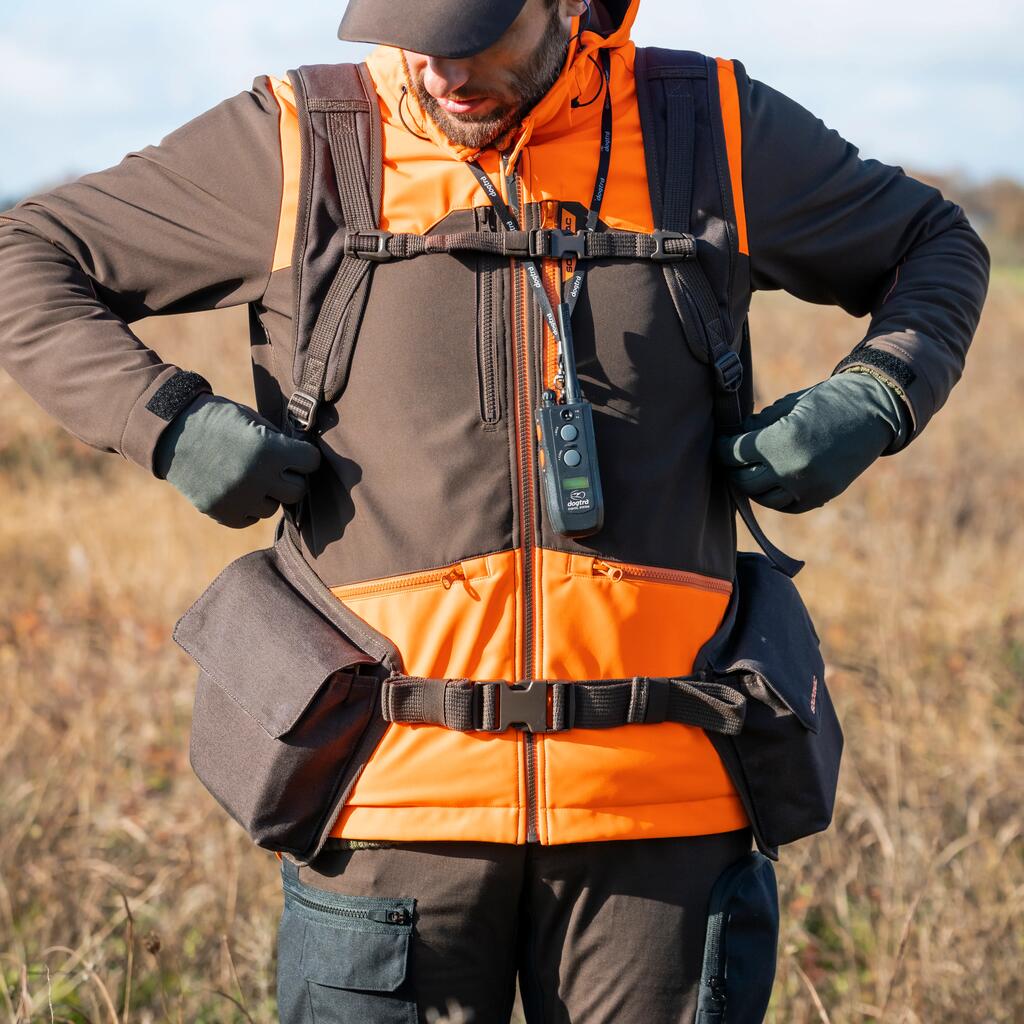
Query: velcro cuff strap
[
  {"x": 176, "y": 393},
  {"x": 892, "y": 366}
]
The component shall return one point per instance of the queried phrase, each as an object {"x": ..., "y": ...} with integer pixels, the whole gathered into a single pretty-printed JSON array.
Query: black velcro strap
[
  {"x": 176, "y": 392},
  {"x": 901, "y": 372}
]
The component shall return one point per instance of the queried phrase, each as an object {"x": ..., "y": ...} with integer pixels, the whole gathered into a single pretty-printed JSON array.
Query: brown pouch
[{"x": 287, "y": 706}]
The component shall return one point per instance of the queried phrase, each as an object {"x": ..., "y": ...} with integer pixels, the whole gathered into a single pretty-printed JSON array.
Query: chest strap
[
  {"x": 660, "y": 246},
  {"x": 554, "y": 706}
]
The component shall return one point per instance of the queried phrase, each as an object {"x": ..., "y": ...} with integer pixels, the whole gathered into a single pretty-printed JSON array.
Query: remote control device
[
  {"x": 568, "y": 467},
  {"x": 570, "y": 479}
]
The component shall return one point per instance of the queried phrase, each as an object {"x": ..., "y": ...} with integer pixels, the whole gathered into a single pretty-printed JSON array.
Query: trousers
[{"x": 439, "y": 931}]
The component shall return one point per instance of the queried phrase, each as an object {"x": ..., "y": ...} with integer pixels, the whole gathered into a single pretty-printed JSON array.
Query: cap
[{"x": 440, "y": 28}]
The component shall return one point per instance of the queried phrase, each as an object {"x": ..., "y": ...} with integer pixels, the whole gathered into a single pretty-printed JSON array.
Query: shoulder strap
[
  {"x": 340, "y": 128},
  {"x": 667, "y": 84},
  {"x": 665, "y": 81}
]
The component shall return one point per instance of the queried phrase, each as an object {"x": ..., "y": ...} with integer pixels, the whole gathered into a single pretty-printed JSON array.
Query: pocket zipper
[
  {"x": 396, "y": 915},
  {"x": 446, "y": 577},
  {"x": 616, "y": 571}
]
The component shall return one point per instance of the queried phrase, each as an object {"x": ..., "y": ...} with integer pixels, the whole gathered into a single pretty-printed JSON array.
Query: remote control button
[
  {"x": 572, "y": 457},
  {"x": 569, "y": 432}
]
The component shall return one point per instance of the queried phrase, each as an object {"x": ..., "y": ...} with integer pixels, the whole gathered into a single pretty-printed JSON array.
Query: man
[{"x": 580, "y": 859}]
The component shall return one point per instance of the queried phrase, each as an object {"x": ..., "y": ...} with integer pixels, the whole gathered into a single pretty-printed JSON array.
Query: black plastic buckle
[
  {"x": 563, "y": 244},
  {"x": 523, "y": 705},
  {"x": 729, "y": 370},
  {"x": 378, "y": 255},
  {"x": 661, "y": 237}
]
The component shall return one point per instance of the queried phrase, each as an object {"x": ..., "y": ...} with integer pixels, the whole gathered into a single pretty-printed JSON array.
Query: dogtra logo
[
  {"x": 814, "y": 694},
  {"x": 576, "y": 495}
]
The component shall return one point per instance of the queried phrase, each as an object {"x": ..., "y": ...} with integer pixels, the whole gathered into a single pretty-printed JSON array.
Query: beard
[{"x": 537, "y": 76}]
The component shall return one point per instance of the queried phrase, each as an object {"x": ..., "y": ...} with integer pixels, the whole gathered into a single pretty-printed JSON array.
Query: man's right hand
[{"x": 231, "y": 463}]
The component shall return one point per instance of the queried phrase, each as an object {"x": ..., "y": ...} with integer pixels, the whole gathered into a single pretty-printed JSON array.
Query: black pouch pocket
[
  {"x": 286, "y": 707},
  {"x": 741, "y": 947},
  {"x": 785, "y": 762},
  {"x": 343, "y": 958}
]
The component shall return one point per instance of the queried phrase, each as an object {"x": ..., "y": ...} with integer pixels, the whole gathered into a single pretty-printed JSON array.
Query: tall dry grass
[{"x": 127, "y": 895}]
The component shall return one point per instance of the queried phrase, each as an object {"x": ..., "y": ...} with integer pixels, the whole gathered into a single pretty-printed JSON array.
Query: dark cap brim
[{"x": 440, "y": 28}]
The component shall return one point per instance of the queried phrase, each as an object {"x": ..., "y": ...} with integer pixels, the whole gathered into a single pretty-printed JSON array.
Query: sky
[{"x": 930, "y": 85}]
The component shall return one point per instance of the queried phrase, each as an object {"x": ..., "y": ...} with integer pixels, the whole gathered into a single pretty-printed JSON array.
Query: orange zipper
[
  {"x": 445, "y": 577},
  {"x": 616, "y": 571}
]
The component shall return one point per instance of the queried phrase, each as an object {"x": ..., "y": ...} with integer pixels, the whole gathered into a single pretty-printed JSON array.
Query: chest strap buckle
[{"x": 558, "y": 244}]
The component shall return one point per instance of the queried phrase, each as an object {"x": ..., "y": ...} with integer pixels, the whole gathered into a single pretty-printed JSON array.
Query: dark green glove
[
  {"x": 231, "y": 463},
  {"x": 809, "y": 446}
]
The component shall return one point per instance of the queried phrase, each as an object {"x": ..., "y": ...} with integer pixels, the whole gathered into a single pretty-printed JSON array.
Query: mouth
[{"x": 472, "y": 105}]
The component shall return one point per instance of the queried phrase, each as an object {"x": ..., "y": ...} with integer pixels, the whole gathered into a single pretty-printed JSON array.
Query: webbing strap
[
  {"x": 357, "y": 210},
  {"x": 661, "y": 246},
  {"x": 556, "y": 705}
]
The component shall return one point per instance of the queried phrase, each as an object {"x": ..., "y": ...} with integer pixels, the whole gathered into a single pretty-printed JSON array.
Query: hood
[{"x": 609, "y": 28}]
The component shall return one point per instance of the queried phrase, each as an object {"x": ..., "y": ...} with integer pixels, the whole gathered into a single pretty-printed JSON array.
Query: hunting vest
[{"x": 407, "y": 342}]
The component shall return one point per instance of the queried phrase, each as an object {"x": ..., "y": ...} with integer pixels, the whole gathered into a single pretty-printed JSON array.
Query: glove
[
  {"x": 809, "y": 446},
  {"x": 231, "y": 463}
]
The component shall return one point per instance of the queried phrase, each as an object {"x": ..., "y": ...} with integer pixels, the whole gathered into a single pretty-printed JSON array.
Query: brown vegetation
[{"x": 127, "y": 895}]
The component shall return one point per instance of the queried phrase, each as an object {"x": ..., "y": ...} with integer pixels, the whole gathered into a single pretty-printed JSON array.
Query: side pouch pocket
[
  {"x": 741, "y": 948},
  {"x": 283, "y": 701},
  {"x": 785, "y": 762}
]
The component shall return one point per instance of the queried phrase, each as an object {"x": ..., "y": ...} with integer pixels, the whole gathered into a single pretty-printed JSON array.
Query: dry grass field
[{"x": 126, "y": 895}]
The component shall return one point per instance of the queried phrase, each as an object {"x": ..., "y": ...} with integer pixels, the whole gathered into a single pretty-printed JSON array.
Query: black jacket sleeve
[
  {"x": 185, "y": 225},
  {"x": 829, "y": 227}
]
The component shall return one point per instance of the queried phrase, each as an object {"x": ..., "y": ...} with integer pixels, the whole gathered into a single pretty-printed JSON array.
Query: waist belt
[{"x": 554, "y": 705}]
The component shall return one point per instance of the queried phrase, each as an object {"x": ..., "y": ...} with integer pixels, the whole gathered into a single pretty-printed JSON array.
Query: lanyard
[{"x": 511, "y": 223}]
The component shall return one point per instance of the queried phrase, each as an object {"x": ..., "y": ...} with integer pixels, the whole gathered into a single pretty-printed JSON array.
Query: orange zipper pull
[
  {"x": 453, "y": 574},
  {"x": 604, "y": 569}
]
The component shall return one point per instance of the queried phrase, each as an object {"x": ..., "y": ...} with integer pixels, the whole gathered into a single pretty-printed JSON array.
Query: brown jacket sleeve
[
  {"x": 189, "y": 224},
  {"x": 832, "y": 228}
]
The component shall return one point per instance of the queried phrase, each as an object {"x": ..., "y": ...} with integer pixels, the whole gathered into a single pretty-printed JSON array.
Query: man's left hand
[{"x": 809, "y": 446}]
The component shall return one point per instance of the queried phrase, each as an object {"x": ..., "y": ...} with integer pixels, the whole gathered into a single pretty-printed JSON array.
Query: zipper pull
[
  {"x": 453, "y": 574},
  {"x": 613, "y": 572},
  {"x": 396, "y": 916}
]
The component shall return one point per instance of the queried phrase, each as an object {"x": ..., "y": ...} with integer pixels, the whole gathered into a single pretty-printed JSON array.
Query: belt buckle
[{"x": 524, "y": 705}]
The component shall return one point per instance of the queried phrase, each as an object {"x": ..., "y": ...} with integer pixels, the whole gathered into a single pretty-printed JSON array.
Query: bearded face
[{"x": 478, "y": 100}]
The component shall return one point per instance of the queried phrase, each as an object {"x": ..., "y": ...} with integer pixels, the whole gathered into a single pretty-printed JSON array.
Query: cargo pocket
[
  {"x": 785, "y": 762},
  {"x": 285, "y": 704},
  {"x": 344, "y": 958},
  {"x": 741, "y": 945}
]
